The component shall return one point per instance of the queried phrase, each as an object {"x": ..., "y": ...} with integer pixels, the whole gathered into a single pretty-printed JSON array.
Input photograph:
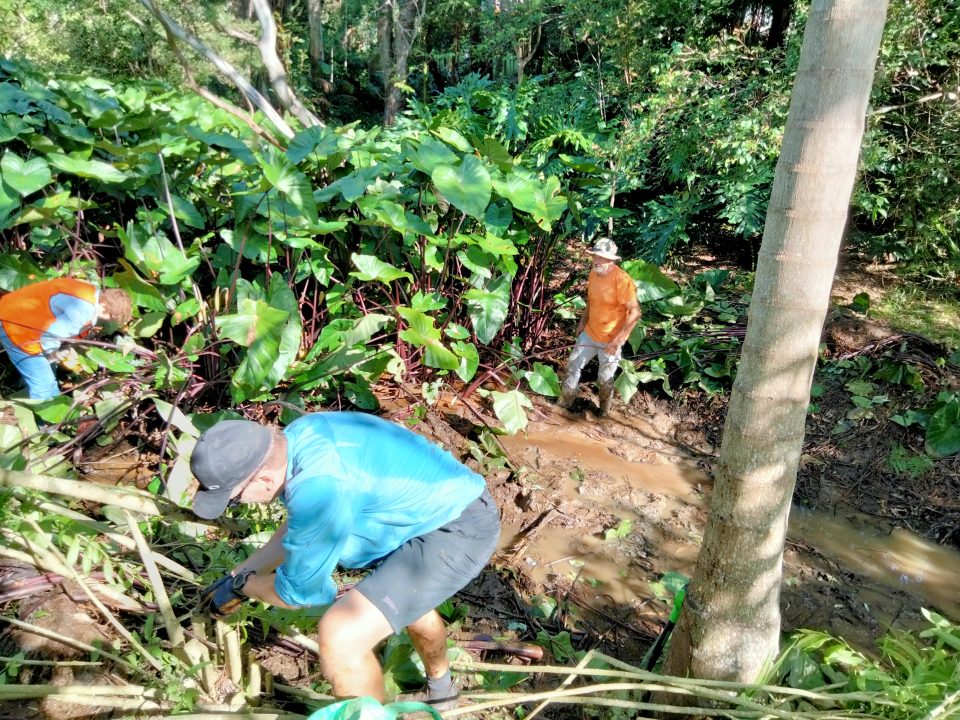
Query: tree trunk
[
  {"x": 405, "y": 27},
  {"x": 274, "y": 66},
  {"x": 385, "y": 46},
  {"x": 314, "y": 8},
  {"x": 730, "y": 623},
  {"x": 781, "y": 12},
  {"x": 242, "y": 84}
]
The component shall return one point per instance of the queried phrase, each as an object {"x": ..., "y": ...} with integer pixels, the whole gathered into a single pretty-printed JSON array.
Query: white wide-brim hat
[{"x": 606, "y": 248}]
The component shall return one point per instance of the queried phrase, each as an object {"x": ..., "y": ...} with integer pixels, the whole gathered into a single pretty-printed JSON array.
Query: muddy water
[{"x": 666, "y": 505}]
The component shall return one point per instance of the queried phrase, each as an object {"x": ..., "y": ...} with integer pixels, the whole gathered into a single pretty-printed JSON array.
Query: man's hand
[
  {"x": 68, "y": 358},
  {"x": 224, "y": 597},
  {"x": 613, "y": 347}
]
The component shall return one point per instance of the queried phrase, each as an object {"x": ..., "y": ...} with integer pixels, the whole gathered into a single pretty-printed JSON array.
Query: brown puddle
[
  {"x": 665, "y": 504},
  {"x": 890, "y": 555}
]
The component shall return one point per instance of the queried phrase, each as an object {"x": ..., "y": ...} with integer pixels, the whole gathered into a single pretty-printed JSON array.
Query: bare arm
[
  {"x": 268, "y": 558},
  {"x": 623, "y": 330},
  {"x": 584, "y": 316},
  {"x": 263, "y": 562},
  {"x": 262, "y": 587}
]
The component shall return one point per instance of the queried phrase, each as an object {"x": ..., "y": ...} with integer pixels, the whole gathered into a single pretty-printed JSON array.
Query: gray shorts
[{"x": 424, "y": 571}]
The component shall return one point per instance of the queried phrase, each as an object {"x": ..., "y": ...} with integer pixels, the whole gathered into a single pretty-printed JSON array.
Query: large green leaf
[
  {"x": 317, "y": 141},
  {"x": 364, "y": 329},
  {"x": 370, "y": 267},
  {"x": 469, "y": 359},
  {"x": 421, "y": 332},
  {"x": 291, "y": 183},
  {"x": 651, "y": 283},
  {"x": 16, "y": 271},
  {"x": 467, "y": 186},
  {"x": 155, "y": 255},
  {"x": 943, "y": 430},
  {"x": 95, "y": 169},
  {"x": 511, "y": 409},
  {"x": 498, "y": 217},
  {"x": 25, "y": 176},
  {"x": 112, "y": 360},
  {"x": 236, "y": 147},
  {"x": 9, "y": 204},
  {"x": 520, "y": 187},
  {"x": 488, "y": 308},
  {"x": 543, "y": 380},
  {"x": 384, "y": 211},
  {"x": 281, "y": 297},
  {"x": 429, "y": 153},
  {"x": 258, "y": 327},
  {"x": 549, "y": 204}
]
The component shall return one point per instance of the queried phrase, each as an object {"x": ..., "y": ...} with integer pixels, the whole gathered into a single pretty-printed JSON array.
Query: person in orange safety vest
[{"x": 35, "y": 319}]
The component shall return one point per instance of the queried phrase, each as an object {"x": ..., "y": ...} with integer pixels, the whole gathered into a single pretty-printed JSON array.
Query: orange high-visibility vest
[{"x": 26, "y": 313}]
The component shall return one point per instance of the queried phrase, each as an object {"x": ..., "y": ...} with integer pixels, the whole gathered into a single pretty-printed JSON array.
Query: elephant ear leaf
[
  {"x": 511, "y": 409},
  {"x": 24, "y": 176},
  {"x": 467, "y": 186}
]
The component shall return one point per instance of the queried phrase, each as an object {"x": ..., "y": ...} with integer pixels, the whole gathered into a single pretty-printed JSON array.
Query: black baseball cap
[{"x": 224, "y": 457}]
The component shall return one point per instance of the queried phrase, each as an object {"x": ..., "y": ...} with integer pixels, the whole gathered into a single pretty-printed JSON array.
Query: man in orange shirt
[
  {"x": 36, "y": 318},
  {"x": 607, "y": 321}
]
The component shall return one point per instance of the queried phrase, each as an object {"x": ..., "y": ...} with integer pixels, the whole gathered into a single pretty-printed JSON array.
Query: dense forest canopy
[{"x": 642, "y": 88}]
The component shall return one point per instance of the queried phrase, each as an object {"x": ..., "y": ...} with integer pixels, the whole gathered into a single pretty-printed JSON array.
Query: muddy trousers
[{"x": 583, "y": 352}]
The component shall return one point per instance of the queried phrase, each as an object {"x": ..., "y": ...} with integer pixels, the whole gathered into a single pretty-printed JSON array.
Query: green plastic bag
[{"x": 366, "y": 708}]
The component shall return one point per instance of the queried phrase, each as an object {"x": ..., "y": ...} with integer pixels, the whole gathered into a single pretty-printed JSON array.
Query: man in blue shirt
[{"x": 360, "y": 492}]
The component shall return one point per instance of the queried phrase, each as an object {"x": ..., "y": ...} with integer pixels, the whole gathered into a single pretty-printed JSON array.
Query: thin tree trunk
[
  {"x": 385, "y": 47},
  {"x": 314, "y": 20},
  {"x": 730, "y": 622},
  {"x": 276, "y": 72},
  {"x": 407, "y": 21},
  {"x": 242, "y": 83},
  {"x": 782, "y": 12}
]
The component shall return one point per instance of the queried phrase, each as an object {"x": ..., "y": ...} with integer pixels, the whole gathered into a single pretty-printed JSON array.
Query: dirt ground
[{"x": 597, "y": 510}]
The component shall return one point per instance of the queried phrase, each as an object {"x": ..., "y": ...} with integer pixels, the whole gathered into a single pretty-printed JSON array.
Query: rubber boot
[
  {"x": 567, "y": 396},
  {"x": 606, "y": 397}
]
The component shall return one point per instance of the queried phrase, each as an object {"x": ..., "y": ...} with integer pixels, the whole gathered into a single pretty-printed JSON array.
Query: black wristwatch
[{"x": 240, "y": 579}]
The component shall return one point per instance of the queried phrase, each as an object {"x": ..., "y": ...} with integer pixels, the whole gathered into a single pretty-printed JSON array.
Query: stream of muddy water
[{"x": 666, "y": 505}]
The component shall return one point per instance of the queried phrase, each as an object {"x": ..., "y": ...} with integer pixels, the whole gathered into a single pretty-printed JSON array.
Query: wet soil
[{"x": 597, "y": 510}]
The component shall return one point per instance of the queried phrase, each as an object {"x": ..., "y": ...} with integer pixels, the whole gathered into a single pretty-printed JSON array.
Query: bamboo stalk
[
  {"x": 127, "y": 499},
  {"x": 174, "y": 631},
  {"x": 55, "y": 663},
  {"x": 15, "y": 692},
  {"x": 222, "y": 715},
  {"x": 302, "y": 693},
  {"x": 566, "y": 681},
  {"x": 253, "y": 682},
  {"x": 577, "y": 696},
  {"x": 207, "y": 676},
  {"x": 693, "y": 683},
  {"x": 109, "y": 616},
  {"x": 123, "y": 541},
  {"x": 53, "y": 566},
  {"x": 232, "y": 657}
]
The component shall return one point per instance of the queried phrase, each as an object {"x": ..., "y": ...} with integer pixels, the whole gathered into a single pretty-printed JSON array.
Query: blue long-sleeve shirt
[{"x": 358, "y": 487}]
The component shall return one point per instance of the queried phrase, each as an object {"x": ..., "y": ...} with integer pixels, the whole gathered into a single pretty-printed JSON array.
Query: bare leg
[
  {"x": 349, "y": 631},
  {"x": 429, "y": 637}
]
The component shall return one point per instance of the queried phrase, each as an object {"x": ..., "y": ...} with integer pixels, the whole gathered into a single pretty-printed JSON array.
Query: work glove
[
  {"x": 224, "y": 597},
  {"x": 68, "y": 358}
]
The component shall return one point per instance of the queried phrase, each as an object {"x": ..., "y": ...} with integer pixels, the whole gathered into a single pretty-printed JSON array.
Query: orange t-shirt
[{"x": 608, "y": 297}]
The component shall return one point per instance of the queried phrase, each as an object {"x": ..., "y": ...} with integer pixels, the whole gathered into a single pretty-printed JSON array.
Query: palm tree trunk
[{"x": 730, "y": 624}]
